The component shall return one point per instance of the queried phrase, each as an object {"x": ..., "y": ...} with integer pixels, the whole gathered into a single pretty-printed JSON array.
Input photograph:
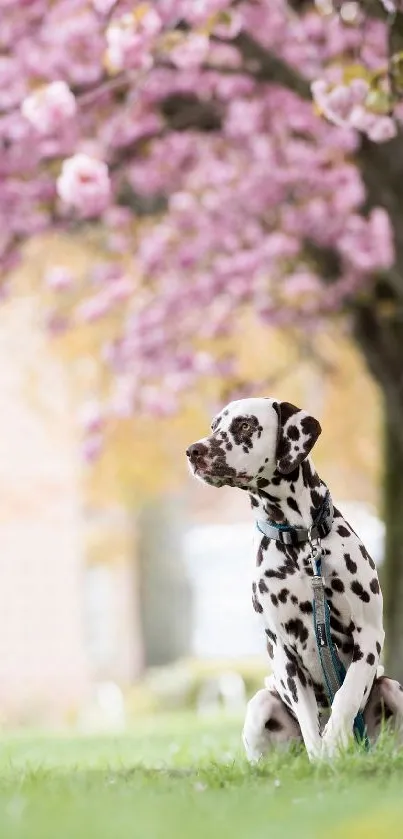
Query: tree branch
[{"x": 267, "y": 67}]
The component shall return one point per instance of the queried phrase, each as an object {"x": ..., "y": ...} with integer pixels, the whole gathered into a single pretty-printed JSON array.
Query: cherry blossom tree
[{"x": 239, "y": 154}]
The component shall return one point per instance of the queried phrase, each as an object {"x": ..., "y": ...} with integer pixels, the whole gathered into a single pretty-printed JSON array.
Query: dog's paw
[{"x": 335, "y": 740}]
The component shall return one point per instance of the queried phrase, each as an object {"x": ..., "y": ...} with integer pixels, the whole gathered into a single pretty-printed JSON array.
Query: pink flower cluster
[
  {"x": 346, "y": 105},
  {"x": 216, "y": 208},
  {"x": 48, "y": 108},
  {"x": 130, "y": 40},
  {"x": 84, "y": 184}
]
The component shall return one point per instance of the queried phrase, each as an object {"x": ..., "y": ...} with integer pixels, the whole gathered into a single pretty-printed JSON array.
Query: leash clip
[{"x": 315, "y": 544}]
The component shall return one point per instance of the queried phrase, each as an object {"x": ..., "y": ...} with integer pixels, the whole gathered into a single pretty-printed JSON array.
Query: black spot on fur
[
  {"x": 357, "y": 653},
  {"x": 358, "y": 589},
  {"x": 342, "y": 531},
  {"x": 333, "y": 608},
  {"x": 296, "y": 667},
  {"x": 336, "y": 625},
  {"x": 350, "y": 564},
  {"x": 282, "y": 571},
  {"x": 293, "y": 504},
  {"x": 283, "y": 594},
  {"x": 291, "y": 668},
  {"x": 374, "y": 586},
  {"x": 337, "y": 585},
  {"x": 271, "y": 635},
  {"x": 296, "y": 627},
  {"x": 370, "y": 659},
  {"x": 378, "y": 647},
  {"x": 273, "y": 725},
  {"x": 317, "y": 502},
  {"x": 367, "y": 557},
  {"x": 274, "y": 600},
  {"x": 272, "y": 498},
  {"x": 263, "y": 587},
  {"x": 306, "y": 607},
  {"x": 293, "y": 432},
  {"x": 255, "y": 602},
  {"x": 311, "y": 479},
  {"x": 242, "y": 429},
  {"x": 292, "y": 688}
]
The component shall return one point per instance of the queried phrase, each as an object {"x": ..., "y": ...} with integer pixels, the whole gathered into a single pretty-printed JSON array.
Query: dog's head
[{"x": 251, "y": 438}]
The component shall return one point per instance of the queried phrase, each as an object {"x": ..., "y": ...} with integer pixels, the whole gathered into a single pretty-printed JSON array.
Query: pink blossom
[
  {"x": 59, "y": 278},
  {"x": 347, "y": 105},
  {"x": 120, "y": 290},
  {"x": 300, "y": 283},
  {"x": 84, "y": 184},
  {"x": 13, "y": 85},
  {"x": 229, "y": 24},
  {"x": 214, "y": 221},
  {"x": 382, "y": 130},
  {"x": 381, "y": 235},
  {"x": 92, "y": 447},
  {"x": 49, "y": 107},
  {"x": 191, "y": 52},
  {"x": 103, "y": 7},
  {"x": 359, "y": 89},
  {"x": 56, "y": 323},
  {"x": 336, "y": 103},
  {"x": 93, "y": 308},
  {"x": 91, "y": 417},
  {"x": 155, "y": 400},
  {"x": 72, "y": 45},
  {"x": 361, "y": 119},
  {"x": 129, "y": 39},
  {"x": 198, "y": 11}
]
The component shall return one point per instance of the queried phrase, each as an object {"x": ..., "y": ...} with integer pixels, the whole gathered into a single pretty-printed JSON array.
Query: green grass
[{"x": 182, "y": 777}]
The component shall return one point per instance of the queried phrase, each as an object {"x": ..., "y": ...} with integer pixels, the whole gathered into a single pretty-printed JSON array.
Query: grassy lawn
[{"x": 182, "y": 777}]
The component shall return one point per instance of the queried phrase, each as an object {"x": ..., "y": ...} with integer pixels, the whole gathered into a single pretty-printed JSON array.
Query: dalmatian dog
[{"x": 262, "y": 446}]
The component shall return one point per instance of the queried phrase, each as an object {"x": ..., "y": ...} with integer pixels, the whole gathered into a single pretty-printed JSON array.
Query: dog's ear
[{"x": 297, "y": 434}]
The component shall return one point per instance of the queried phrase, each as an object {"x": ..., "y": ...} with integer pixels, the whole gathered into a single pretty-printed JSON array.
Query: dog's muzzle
[
  {"x": 204, "y": 466},
  {"x": 196, "y": 454}
]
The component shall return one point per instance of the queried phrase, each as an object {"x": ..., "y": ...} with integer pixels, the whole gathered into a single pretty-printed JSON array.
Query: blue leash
[{"x": 333, "y": 669}]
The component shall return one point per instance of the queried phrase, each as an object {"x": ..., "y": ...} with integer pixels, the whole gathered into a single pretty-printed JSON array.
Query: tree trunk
[
  {"x": 165, "y": 596},
  {"x": 392, "y": 572},
  {"x": 381, "y": 340}
]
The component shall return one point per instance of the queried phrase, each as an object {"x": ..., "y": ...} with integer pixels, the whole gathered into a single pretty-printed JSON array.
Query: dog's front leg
[
  {"x": 368, "y": 638},
  {"x": 286, "y": 667}
]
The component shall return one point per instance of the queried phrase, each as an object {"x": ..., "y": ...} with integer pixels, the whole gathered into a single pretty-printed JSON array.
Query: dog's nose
[{"x": 194, "y": 451}]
